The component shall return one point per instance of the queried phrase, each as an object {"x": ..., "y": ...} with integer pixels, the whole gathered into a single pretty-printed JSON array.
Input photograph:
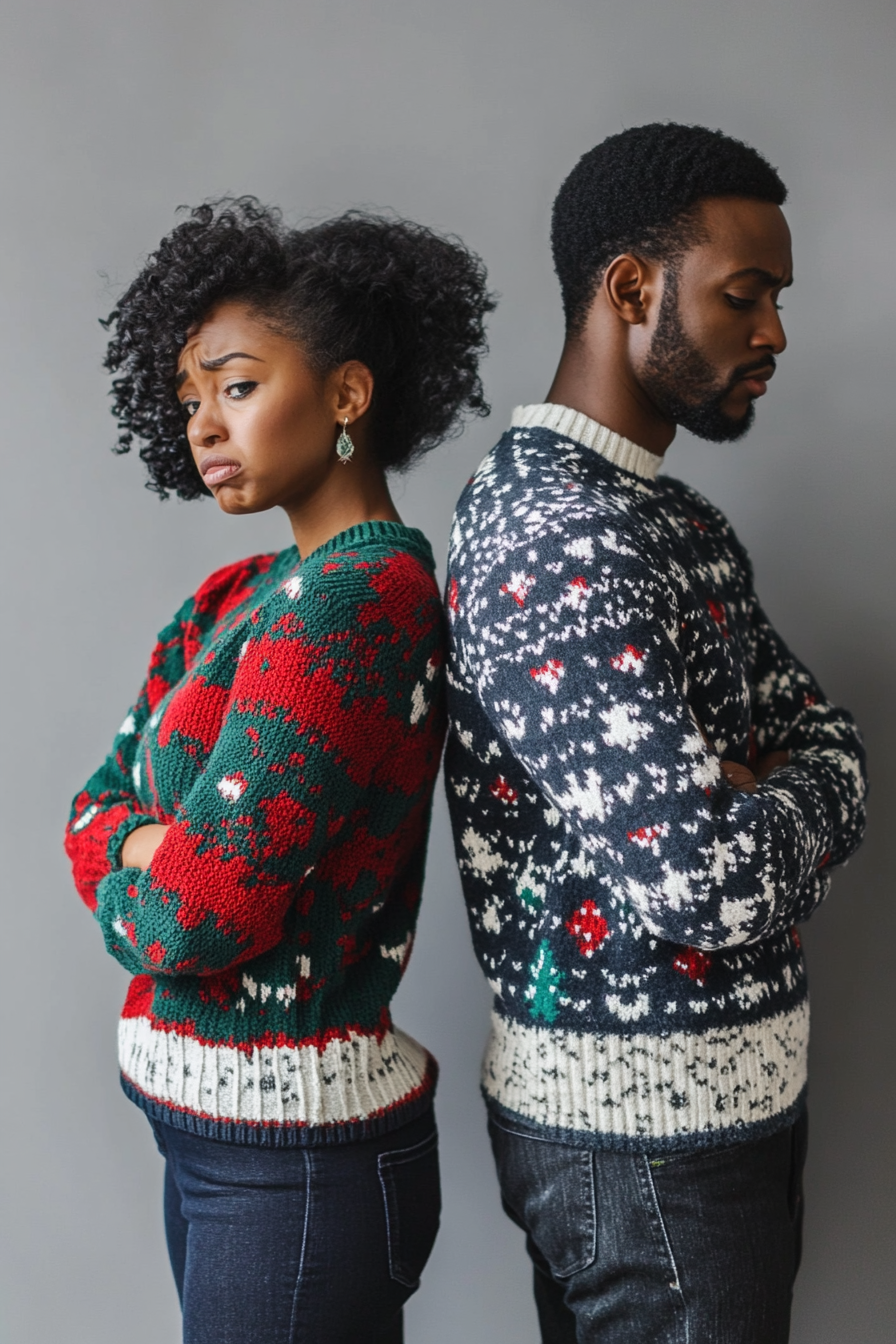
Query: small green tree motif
[
  {"x": 532, "y": 902},
  {"x": 545, "y": 979}
]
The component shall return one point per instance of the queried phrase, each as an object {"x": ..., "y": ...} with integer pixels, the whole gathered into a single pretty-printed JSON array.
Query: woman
[{"x": 253, "y": 847}]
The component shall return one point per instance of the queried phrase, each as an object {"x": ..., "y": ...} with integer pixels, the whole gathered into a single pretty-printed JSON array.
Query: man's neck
[{"x": 598, "y": 383}]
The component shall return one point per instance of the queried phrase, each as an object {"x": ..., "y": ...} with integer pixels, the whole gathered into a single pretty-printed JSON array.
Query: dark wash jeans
[
  {"x": 699, "y": 1247},
  {"x": 287, "y": 1245}
]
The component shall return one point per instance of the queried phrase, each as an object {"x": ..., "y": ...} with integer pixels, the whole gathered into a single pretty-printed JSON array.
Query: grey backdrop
[{"x": 465, "y": 115}]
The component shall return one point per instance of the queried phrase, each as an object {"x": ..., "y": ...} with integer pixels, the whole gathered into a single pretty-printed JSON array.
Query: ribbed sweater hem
[
  {"x": 355, "y": 1086},
  {"x": 645, "y": 1092},
  {"x": 269, "y": 1134},
  {"x": 740, "y": 1132}
]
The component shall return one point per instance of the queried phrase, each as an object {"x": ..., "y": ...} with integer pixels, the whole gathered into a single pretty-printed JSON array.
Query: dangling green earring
[{"x": 345, "y": 449}]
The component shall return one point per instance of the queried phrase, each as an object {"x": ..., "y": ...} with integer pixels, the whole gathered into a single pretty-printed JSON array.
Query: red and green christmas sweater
[{"x": 288, "y": 733}]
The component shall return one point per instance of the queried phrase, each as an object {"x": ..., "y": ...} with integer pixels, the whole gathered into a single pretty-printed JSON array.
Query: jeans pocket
[
  {"x": 413, "y": 1198},
  {"x": 549, "y": 1188}
]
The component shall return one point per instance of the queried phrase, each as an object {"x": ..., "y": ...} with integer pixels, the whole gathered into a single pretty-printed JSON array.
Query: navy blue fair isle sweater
[{"x": 634, "y": 914}]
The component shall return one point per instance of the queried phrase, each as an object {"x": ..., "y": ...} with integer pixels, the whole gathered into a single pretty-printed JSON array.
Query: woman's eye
[
  {"x": 239, "y": 391},
  {"x": 190, "y": 408}
]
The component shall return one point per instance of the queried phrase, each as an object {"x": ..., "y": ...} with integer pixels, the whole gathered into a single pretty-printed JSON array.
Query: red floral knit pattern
[{"x": 288, "y": 734}]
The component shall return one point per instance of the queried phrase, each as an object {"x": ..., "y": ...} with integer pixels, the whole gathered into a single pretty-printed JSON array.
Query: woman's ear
[{"x": 352, "y": 388}]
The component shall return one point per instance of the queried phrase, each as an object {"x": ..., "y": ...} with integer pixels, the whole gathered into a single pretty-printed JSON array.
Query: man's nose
[{"x": 769, "y": 335}]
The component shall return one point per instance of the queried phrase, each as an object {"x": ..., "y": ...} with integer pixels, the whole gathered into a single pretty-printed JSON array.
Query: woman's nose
[{"x": 205, "y": 427}]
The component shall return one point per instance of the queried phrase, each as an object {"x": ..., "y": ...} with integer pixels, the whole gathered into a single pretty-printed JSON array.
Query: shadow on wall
[{"x": 851, "y": 954}]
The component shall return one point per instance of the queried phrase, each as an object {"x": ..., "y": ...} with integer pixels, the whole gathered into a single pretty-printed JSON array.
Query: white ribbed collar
[{"x": 582, "y": 429}]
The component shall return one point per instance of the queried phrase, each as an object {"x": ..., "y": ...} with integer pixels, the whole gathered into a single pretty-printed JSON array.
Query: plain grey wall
[{"x": 465, "y": 115}]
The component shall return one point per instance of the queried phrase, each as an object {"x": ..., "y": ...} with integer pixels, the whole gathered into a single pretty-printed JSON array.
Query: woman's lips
[{"x": 214, "y": 469}]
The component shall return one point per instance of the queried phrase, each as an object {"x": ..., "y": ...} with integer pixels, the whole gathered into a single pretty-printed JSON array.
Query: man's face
[{"x": 719, "y": 327}]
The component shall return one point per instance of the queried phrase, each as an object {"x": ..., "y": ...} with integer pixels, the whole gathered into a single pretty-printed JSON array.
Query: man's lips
[
  {"x": 756, "y": 383},
  {"x": 214, "y": 468}
]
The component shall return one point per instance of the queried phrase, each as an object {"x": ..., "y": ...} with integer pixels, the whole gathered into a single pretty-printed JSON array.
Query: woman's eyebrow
[{"x": 210, "y": 364}]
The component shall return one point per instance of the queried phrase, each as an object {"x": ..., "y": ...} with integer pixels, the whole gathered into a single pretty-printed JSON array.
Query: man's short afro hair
[{"x": 636, "y": 192}]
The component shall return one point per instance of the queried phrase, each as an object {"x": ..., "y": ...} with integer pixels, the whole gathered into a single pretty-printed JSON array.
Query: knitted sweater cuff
[{"x": 118, "y": 837}]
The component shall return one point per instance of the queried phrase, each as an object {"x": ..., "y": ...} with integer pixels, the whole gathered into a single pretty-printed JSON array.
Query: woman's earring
[{"x": 345, "y": 449}]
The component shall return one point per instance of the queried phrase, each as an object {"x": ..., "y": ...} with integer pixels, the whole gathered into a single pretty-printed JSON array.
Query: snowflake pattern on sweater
[
  {"x": 634, "y": 914},
  {"x": 288, "y": 733}
]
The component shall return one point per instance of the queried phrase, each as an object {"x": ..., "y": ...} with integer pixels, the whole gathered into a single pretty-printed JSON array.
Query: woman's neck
[{"x": 350, "y": 495}]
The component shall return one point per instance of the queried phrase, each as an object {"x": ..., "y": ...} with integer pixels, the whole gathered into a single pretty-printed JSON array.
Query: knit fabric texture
[
  {"x": 289, "y": 733},
  {"x": 634, "y": 914}
]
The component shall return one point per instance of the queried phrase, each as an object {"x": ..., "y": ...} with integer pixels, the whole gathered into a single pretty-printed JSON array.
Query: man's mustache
[{"x": 767, "y": 365}]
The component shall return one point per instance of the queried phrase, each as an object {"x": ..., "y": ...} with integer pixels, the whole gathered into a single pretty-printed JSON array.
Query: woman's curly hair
[{"x": 392, "y": 294}]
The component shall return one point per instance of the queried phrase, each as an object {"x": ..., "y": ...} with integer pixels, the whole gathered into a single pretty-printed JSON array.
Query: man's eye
[
  {"x": 737, "y": 302},
  {"x": 239, "y": 391}
]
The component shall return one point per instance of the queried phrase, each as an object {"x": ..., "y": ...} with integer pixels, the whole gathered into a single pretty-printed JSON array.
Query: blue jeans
[
  {"x": 314, "y": 1244},
  {"x": 699, "y": 1247}
]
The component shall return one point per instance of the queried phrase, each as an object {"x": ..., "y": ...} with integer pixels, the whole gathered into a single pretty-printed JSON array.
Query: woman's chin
[{"x": 239, "y": 498}]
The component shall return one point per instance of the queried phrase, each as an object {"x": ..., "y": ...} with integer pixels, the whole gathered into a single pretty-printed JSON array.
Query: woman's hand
[{"x": 138, "y": 849}]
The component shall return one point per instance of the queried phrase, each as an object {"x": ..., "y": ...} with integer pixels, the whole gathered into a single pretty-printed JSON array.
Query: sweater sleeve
[
  {"x": 107, "y": 809},
  {"x": 317, "y": 715},
  {"x": 583, "y": 678},
  {"x": 790, "y": 712}
]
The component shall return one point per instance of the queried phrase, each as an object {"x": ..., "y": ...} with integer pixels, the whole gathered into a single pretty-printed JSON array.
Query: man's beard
[{"x": 682, "y": 383}]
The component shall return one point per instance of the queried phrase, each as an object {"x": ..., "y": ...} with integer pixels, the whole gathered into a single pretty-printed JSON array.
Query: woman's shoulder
[
  {"x": 232, "y": 585},
  {"x": 379, "y": 556},
  {"x": 375, "y": 574},
  {"x": 367, "y": 596},
  {"x": 380, "y": 565}
]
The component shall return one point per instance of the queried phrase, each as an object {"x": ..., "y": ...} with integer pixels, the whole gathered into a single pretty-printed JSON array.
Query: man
[{"x": 648, "y": 791}]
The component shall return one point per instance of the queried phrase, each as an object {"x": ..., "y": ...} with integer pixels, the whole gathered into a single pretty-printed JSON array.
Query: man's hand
[
  {"x": 773, "y": 760},
  {"x": 739, "y": 776},
  {"x": 743, "y": 778},
  {"x": 138, "y": 849}
]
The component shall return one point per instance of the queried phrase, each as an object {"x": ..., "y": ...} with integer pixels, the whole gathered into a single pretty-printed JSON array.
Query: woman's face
[{"x": 262, "y": 425}]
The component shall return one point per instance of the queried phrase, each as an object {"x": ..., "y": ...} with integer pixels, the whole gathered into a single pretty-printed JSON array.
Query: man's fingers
[{"x": 739, "y": 776}]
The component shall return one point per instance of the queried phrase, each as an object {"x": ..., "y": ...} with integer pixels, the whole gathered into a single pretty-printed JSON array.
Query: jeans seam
[
  {"x": 396, "y": 1156},
  {"x": 593, "y": 1175},
  {"x": 536, "y": 1138},
  {"x": 669, "y": 1251},
  {"x": 301, "y": 1270}
]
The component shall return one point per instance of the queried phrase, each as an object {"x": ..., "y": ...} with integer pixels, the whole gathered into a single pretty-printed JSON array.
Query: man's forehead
[{"x": 746, "y": 239}]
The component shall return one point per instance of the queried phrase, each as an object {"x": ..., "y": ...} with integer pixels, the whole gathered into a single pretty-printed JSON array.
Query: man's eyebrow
[
  {"x": 767, "y": 278},
  {"x": 211, "y": 364}
]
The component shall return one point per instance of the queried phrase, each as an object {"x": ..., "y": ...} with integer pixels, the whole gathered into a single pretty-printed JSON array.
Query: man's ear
[{"x": 631, "y": 286}]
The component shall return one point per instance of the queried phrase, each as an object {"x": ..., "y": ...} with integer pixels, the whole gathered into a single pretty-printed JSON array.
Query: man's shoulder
[
  {"x": 692, "y": 503},
  {"x": 536, "y": 484}
]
